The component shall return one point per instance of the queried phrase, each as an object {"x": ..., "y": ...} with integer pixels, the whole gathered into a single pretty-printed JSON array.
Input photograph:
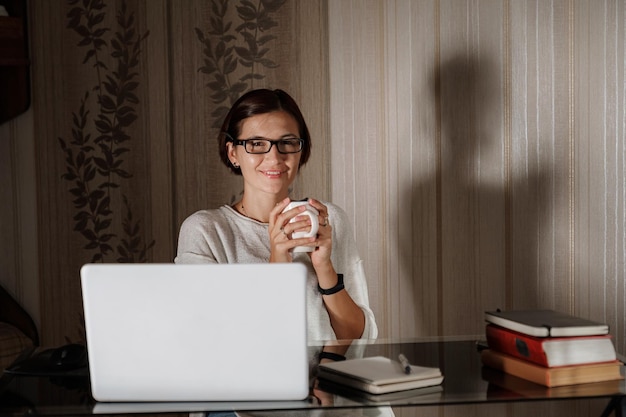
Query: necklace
[{"x": 242, "y": 210}]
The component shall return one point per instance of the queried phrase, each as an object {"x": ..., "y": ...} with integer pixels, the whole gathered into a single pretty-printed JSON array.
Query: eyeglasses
[{"x": 259, "y": 146}]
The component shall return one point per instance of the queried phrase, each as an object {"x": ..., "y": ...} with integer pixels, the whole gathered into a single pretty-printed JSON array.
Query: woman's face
[{"x": 271, "y": 172}]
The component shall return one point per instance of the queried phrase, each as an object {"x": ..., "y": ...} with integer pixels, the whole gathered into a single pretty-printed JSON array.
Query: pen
[{"x": 405, "y": 363}]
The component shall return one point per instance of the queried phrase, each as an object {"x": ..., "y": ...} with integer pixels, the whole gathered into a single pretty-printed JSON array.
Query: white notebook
[
  {"x": 165, "y": 332},
  {"x": 378, "y": 375}
]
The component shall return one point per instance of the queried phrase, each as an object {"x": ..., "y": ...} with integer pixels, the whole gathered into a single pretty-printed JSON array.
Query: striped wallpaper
[{"x": 485, "y": 157}]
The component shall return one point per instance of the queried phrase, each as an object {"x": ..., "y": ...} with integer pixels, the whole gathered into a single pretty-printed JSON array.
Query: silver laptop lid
[{"x": 166, "y": 332}]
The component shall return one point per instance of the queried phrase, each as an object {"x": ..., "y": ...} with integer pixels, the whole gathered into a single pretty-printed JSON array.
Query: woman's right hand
[{"x": 280, "y": 231}]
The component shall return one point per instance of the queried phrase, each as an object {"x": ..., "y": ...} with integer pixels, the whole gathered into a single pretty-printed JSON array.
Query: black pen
[{"x": 405, "y": 363}]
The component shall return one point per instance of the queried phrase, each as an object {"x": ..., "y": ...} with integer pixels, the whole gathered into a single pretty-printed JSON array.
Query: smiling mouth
[{"x": 273, "y": 173}]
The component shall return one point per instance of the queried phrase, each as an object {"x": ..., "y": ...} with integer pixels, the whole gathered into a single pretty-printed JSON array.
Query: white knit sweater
[{"x": 224, "y": 236}]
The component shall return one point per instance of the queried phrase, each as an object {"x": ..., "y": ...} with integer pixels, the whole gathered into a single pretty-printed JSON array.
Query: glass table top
[{"x": 466, "y": 381}]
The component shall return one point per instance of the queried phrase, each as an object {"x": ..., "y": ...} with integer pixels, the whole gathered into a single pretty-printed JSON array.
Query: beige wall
[{"x": 480, "y": 148}]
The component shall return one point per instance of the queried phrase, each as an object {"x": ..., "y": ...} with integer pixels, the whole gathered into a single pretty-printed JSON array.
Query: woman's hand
[
  {"x": 320, "y": 257},
  {"x": 280, "y": 230}
]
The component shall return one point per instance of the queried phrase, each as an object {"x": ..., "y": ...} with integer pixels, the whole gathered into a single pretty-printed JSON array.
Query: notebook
[
  {"x": 546, "y": 323},
  {"x": 378, "y": 375},
  {"x": 225, "y": 332}
]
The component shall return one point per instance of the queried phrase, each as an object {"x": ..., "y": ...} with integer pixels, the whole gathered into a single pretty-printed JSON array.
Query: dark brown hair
[{"x": 255, "y": 102}]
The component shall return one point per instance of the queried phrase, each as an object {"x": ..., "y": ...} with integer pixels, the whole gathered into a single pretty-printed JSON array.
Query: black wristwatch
[
  {"x": 338, "y": 287},
  {"x": 330, "y": 355}
]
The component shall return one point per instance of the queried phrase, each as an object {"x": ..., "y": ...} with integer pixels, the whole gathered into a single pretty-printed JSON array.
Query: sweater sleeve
[
  {"x": 348, "y": 262},
  {"x": 358, "y": 292}
]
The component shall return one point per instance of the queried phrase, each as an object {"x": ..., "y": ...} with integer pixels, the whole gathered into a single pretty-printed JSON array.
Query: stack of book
[{"x": 550, "y": 348}]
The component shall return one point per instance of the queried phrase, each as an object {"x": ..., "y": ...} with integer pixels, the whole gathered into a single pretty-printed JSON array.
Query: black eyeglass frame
[{"x": 243, "y": 142}]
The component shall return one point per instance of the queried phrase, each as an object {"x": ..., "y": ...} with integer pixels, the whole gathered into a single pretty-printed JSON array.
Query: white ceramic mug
[{"x": 315, "y": 224}]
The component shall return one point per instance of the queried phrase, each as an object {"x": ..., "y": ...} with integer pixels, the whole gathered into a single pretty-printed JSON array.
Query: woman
[{"x": 264, "y": 138}]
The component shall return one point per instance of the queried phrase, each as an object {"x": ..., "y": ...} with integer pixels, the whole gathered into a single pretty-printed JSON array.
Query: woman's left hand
[{"x": 320, "y": 257}]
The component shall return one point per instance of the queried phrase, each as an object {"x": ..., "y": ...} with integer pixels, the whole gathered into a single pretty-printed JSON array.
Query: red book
[{"x": 551, "y": 351}]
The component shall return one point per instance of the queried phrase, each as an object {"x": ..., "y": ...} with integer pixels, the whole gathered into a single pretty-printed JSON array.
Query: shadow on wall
[{"x": 474, "y": 231}]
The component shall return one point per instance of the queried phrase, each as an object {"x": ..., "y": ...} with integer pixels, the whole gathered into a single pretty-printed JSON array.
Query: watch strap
[
  {"x": 329, "y": 291},
  {"x": 332, "y": 356}
]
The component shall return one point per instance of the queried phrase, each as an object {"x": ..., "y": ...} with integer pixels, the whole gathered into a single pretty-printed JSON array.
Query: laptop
[{"x": 218, "y": 332}]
